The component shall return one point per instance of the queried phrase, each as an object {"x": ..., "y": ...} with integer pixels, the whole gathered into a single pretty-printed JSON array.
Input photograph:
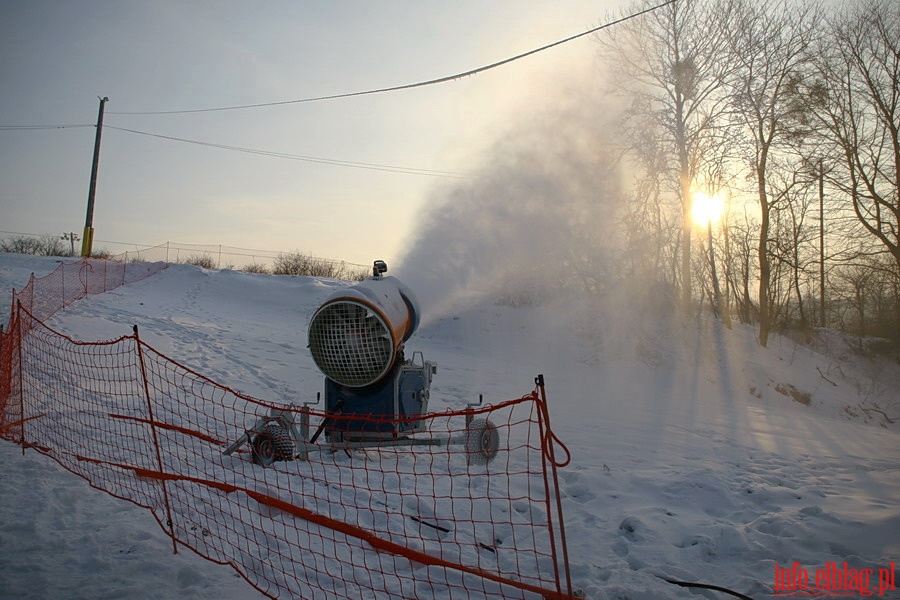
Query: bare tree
[
  {"x": 770, "y": 42},
  {"x": 738, "y": 235},
  {"x": 672, "y": 63},
  {"x": 857, "y": 102},
  {"x": 651, "y": 231},
  {"x": 794, "y": 241}
]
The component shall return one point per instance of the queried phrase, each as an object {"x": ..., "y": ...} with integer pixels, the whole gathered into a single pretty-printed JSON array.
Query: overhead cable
[
  {"x": 406, "y": 86},
  {"x": 35, "y": 127},
  {"x": 314, "y": 159}
]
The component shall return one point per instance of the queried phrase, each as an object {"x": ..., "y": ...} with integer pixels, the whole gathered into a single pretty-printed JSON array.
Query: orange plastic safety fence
[
  {"x": 42, "y": 297},
  {"x": 466, "y": 508},
  {"x": 45, "y": 296}
]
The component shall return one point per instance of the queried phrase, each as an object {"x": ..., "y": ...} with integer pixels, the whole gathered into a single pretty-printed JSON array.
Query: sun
[{"x": 707, "y": 209}]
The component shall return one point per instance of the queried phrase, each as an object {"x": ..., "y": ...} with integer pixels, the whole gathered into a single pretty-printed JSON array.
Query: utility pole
[
  {"x": 72, "y": 237},
  {"x": 87, "y": 241}
]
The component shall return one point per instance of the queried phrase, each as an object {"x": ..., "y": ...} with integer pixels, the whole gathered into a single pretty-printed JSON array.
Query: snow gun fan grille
[{"x": 350, "y": 343}]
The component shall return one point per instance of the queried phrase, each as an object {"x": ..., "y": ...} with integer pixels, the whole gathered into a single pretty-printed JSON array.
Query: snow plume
[{"x": 540, "y": 215}]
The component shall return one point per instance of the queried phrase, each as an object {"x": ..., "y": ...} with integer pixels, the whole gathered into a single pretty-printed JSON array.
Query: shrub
[
  {"x": 20, "y": 245},
  {"x": 202, "y": 260},
  {"x": 357, "y": 274},
  {"x": 256, "y": 268},
  {"x": 295, "y": 263},
  {"x": 46, "y": 246},
  {"x": 53, "y": 246}
]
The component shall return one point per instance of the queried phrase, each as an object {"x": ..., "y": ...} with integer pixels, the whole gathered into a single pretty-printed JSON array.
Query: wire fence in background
[{"x": 213, "y": 256}]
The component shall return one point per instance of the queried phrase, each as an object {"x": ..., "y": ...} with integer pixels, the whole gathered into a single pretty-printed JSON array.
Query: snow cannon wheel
[
  {"x": 273, "y": 443},
  {"x": 482, "y": 441}
]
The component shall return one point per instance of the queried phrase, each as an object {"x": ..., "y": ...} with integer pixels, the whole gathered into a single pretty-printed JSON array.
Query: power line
[
  {"x": 408, "y": 86},
  {"x": 314, "y": 159},
  {"x": 37, "y": 127}
]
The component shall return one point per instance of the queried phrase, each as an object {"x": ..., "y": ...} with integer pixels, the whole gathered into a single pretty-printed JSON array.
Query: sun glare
[{"x": 707, "y": 208}]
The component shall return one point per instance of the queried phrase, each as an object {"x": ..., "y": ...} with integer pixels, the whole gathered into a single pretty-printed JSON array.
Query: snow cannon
[
  {"x": 356, "y": 336},
  {"x": 374, "y": 395}
]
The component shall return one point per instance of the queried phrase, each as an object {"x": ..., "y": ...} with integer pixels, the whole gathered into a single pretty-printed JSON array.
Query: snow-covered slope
[{"x": 696, "y": 455}]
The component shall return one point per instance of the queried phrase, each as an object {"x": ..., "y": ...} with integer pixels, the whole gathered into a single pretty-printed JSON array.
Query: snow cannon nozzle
[{"x": 356, "y": 336}]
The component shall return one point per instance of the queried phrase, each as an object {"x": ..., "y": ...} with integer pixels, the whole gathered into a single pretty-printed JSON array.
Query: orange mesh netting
[{"x": 467, "y": 508}]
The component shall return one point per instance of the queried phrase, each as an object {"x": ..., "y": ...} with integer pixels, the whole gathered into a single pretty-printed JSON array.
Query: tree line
[{"x": 790, "y": 112}]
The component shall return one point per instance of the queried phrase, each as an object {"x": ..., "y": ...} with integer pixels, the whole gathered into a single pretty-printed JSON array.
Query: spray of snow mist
[{"x": 539, "y": 216}]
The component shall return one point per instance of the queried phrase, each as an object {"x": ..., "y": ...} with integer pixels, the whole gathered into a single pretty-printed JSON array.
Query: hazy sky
[{"x": 57, "y": 58}]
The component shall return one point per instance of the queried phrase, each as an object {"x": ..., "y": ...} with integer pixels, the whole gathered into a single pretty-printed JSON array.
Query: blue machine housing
[{"x": 386, "y": 409}]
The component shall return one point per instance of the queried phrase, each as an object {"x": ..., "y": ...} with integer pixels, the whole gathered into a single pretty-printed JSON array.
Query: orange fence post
[
  {"x": 5, "y": 376},
  {"x": 169, "y": 522},
  {"x": 17, "y": 346},
  {"x": 547, "y": 444}
]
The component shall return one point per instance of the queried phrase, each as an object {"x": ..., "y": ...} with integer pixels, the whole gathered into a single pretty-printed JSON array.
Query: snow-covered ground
[{"x": 696, "y": 455}]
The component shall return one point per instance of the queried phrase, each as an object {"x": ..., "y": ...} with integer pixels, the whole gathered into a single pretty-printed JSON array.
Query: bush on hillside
[
  {"x": 295, "y": 263},
  {"x": 204, "y": 261},
  {"x": 256, "y": 268},
  {"x": 46, "y": 246}
]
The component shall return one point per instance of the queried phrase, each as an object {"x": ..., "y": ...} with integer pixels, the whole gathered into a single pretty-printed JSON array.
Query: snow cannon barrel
[{"x": 357, "y": 334}]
